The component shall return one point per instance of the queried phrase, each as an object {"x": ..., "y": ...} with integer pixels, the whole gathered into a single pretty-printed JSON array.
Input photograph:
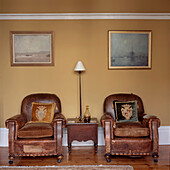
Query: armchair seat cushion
[
  {"x": 131, "y": 129},
  {"x": 36, "y": 130}
]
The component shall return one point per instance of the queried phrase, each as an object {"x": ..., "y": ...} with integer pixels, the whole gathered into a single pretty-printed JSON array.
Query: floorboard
[{"x": 87, "y": 156}]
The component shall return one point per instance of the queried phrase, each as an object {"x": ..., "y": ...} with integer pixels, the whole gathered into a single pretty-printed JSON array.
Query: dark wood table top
[{"x": 74, "y": 121}]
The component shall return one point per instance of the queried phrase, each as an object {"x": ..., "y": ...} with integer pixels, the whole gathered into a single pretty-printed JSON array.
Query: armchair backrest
[
  {"x": 41, "y": 98},
  {"x": 123, "y": 97}
]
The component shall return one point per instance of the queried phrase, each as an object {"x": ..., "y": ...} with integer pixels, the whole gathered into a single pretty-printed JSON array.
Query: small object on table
[{"x": 87, "y": 115}]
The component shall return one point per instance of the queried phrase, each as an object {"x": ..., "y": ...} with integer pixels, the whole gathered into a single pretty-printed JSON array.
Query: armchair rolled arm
[
  {"x": 60, "y": 117},
  {"x": 13, "y": 124},
  {"x": 107, "y": 123},
  {"x": 19, "y": 120},
  {"x": 148, "y": 118},
  {"x": 106, "y": 117},
  {"x": 59, "y": 122},
  {"x": 153, "y": 123}
]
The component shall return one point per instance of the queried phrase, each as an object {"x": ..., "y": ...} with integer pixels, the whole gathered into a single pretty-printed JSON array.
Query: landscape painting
[
  {"x": 129, "y": 49},
  {"x": 31, "y": 48}
]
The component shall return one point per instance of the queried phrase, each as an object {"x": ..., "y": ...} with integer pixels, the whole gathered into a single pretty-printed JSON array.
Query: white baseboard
[
  {"x": 3, "y": 137},
  {"x": 164, "y": 137}
]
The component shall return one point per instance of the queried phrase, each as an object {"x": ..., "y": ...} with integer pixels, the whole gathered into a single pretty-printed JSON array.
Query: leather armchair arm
[
  {"x": 106, "y": 117},
  {"x": 107, "y": 123},
  {"x": 60, "y": 117},
  {"x": 153, "y": 123},
  {"x": 19, "y": 120},
  {"x": 59, "y": 122},
  {"x": 13, "y": 124},
  {"x": 147, "y": 118}
]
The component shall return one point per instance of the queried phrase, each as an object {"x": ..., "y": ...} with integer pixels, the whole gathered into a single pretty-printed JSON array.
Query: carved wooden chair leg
[
  {"x": 107, "y": 156},
  {"x": 155, "y": 156},
  {"x": 11, "y": 158},
  {"x": 59, "y": 158}
]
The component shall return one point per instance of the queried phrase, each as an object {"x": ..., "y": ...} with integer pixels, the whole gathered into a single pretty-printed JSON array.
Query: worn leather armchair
[
  {"x": 129, "y": 138},
  {"x": 36, "y": 139}
]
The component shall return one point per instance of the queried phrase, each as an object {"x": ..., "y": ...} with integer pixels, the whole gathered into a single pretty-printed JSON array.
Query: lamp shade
[{"x": 79, "y": 66}]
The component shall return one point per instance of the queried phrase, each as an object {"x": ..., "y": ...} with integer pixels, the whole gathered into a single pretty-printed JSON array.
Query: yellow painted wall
[
  {"x": 85, "y": 40},
  {"x": 35, "y": 6}
]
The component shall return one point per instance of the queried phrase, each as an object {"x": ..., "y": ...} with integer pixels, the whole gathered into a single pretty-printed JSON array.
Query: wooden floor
[{"x": 87, "y": 156}]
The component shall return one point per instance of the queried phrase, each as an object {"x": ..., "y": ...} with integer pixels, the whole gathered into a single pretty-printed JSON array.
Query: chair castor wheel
[
  {"x": 155, "y": 160},
  {"x": 155, "y": 156},
  {"x": 10, "y": 161},
  {"x": 59, "y": 160},
  {"x": 108, "y": 160}
]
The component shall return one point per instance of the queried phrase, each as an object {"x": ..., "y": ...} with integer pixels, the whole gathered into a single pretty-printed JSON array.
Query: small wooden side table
[{"x": 82, "y": 131}]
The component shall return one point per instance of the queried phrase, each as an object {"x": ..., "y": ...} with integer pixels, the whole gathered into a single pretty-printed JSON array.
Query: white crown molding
[{"x": 82, "y": 16}]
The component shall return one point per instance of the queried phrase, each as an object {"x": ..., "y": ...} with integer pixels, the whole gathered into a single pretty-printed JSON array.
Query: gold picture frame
[
  {"x": 31, "y": 48},
  {"x": 129, "y": 49}
]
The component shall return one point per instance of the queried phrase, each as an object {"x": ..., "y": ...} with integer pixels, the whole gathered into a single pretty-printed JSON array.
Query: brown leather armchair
[
  {"x": 129, "y": 138},
  {"x": 36, "y": 139}
]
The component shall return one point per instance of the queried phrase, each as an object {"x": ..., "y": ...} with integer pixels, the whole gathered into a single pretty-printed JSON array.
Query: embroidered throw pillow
[
  {"x": 43, "y": 112},
  {"x": 126, "y": 111}
]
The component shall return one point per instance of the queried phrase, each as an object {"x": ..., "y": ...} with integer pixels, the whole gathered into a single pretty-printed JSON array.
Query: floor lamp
[{"x": 80, "y": 67}]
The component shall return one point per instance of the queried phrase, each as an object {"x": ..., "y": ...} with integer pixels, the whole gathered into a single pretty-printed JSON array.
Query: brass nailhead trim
[{"x": 147, "y": 153}]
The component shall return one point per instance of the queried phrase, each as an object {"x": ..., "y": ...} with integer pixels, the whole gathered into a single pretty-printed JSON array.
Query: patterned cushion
[
  {"x": 43, "y": 112},
  {"x": 126, "y": 111}
]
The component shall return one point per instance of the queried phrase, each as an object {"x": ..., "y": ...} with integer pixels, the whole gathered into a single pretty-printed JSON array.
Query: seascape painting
[
  {"x": 129, "y": 49},
  {"x": 31, "y": 48}
]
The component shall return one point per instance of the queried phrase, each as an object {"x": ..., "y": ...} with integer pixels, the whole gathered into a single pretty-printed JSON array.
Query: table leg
[
  {"x": 69, "y": 147},
  {"x": 96, "y": 146}
]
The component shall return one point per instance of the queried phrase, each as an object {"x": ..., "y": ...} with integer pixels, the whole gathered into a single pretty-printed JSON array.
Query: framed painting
[
  {"x": 31, "y": 48},
  {"x": 129, "y": 49}
]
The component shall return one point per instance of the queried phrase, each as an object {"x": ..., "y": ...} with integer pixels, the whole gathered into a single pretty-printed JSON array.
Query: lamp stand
[
  {"x": 80, "y": 96},
  {"x": 80, "y": 67}
]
